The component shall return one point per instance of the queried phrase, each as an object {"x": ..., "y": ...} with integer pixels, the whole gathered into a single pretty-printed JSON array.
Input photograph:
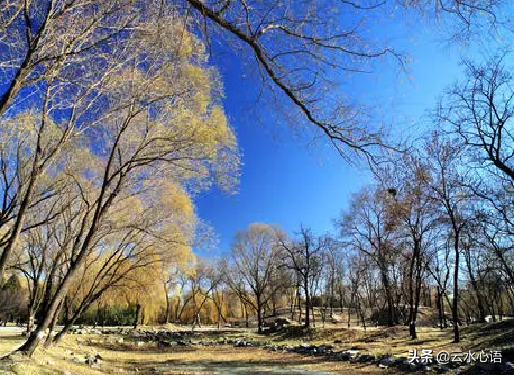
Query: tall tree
[
  {"x": 304, "y": 256},
  {"x": 255, "y": 260}
]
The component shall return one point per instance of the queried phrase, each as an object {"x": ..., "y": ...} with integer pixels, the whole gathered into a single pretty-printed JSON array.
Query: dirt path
[{"x": 233, "y": 369}]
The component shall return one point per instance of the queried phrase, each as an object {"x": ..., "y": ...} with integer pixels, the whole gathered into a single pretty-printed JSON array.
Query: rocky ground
[{"x": 315, "y": 352}]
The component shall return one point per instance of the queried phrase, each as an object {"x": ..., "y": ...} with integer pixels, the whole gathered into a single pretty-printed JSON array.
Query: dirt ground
[{"x": 125, "y": 357}]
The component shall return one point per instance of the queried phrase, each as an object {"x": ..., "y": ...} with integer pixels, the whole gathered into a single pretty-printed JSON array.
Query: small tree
[{"x": 255, "y": 260}]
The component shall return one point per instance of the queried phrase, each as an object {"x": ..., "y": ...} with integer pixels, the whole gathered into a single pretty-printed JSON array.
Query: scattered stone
[
  {"x": 77, "y": 360},
  {"x": 385, "y": 363},
  {"x": 240, "y": 343},
  {"x": 343, "y": 356},
  {"x": 440, "y": 369}
]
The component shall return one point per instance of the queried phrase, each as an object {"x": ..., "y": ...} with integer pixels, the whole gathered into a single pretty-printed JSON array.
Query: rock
[
  {"x": 385, "y": 363},
  {"x": 508, "y": 368},
  {"x": 496, "y": 368},
  {"x": 161, "y": 344},
  {"x": 440, "y": 369},
  {"x": 240, "y": 343},
  {"x": 323, "y": 348},
  {"x": 455, "y": 364},
  {"x": 405, "y": 365},
  {"x": 305, "y": 348},
  {"x": 398, "y": 360},
  {"x": 344, "y": 356}
]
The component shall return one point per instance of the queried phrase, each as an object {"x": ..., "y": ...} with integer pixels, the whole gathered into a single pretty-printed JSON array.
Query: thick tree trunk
[
  {"x": 259, "y": 317},
  {"x": 51, "y": 328},
  {"x": 307, "y": 304},
  {"x": 389, "y": 298}
]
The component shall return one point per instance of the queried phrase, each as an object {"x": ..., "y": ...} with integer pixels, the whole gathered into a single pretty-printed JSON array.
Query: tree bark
[
  {"x": 138, "y": 315},
  {"x": 455, "y": 304},
  {"x": 307, "y": 303}
]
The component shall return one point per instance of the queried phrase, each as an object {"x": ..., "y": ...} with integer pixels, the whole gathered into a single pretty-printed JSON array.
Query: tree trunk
[
  {"x": 389, "y": 298},
  {"x": 474, "y": 284},
  {"x": 167, "y": 317},
  {"x": 307, "y": 303},
  {"x": 51, "y": 328},
  {"x": 138, "y": 314},
  {"x": 440, "y": 307},
  {"x": 455, "y": 312},
  {"x": 259, "y": 316}
]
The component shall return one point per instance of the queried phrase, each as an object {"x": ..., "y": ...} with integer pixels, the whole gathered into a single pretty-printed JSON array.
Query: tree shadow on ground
[{"x": 276, "y": 367}]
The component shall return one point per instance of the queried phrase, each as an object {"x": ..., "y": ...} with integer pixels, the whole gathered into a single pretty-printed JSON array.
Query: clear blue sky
[{"x": 286, "y": 182}]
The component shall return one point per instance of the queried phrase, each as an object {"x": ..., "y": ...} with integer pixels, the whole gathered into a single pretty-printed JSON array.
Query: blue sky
[{"x": 286, "y": 182}]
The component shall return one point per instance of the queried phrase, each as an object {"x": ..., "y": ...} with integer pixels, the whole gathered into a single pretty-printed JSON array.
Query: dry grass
[
  {"x": 128, "y": 359},
  {"x": 9, "y": 342}
]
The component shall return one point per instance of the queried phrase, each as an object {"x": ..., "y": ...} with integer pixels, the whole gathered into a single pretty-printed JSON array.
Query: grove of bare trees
[{"x": 112, "y": 121}]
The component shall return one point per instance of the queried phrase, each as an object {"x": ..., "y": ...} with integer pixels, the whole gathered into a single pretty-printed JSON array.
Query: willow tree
[
  {"x": 58, "y": 74},
  {"x": 57, "y": 56},
  {"x": 163, "y": 121},
  {"x": 151, "y": 231}
]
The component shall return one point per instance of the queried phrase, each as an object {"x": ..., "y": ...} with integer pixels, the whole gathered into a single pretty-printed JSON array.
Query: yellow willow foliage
[
  {"x": 208, "y": 313},
  {"x": 169, "y": 113},
  {"x": 146, "y": 289}
]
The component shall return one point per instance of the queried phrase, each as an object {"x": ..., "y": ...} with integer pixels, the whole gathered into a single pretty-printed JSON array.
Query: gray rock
[
  {"x": 385, "y": 363},
  {"x": 440, "y": 369},
  {"x": 240, "y": 343},
  {"x": 344, "y": 356}
]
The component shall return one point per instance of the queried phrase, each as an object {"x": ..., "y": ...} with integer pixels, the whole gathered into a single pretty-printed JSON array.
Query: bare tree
[
  {"x": 303, "y": 256},
  {"x": 454, "y": 201},
  {"x": 255, "y": 260}
]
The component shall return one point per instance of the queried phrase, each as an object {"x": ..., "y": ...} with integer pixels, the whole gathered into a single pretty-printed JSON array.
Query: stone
[
  {"x": 385, "y": 363},
  {"x": 240, "y": 343},
  {"x": 344, "y": 356},
  {"x": 508, "y": 368},
  {"x": 323, "y": 348},
  {"x": 440, "y": 369},
  {"x": 166, "y": 344}
]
